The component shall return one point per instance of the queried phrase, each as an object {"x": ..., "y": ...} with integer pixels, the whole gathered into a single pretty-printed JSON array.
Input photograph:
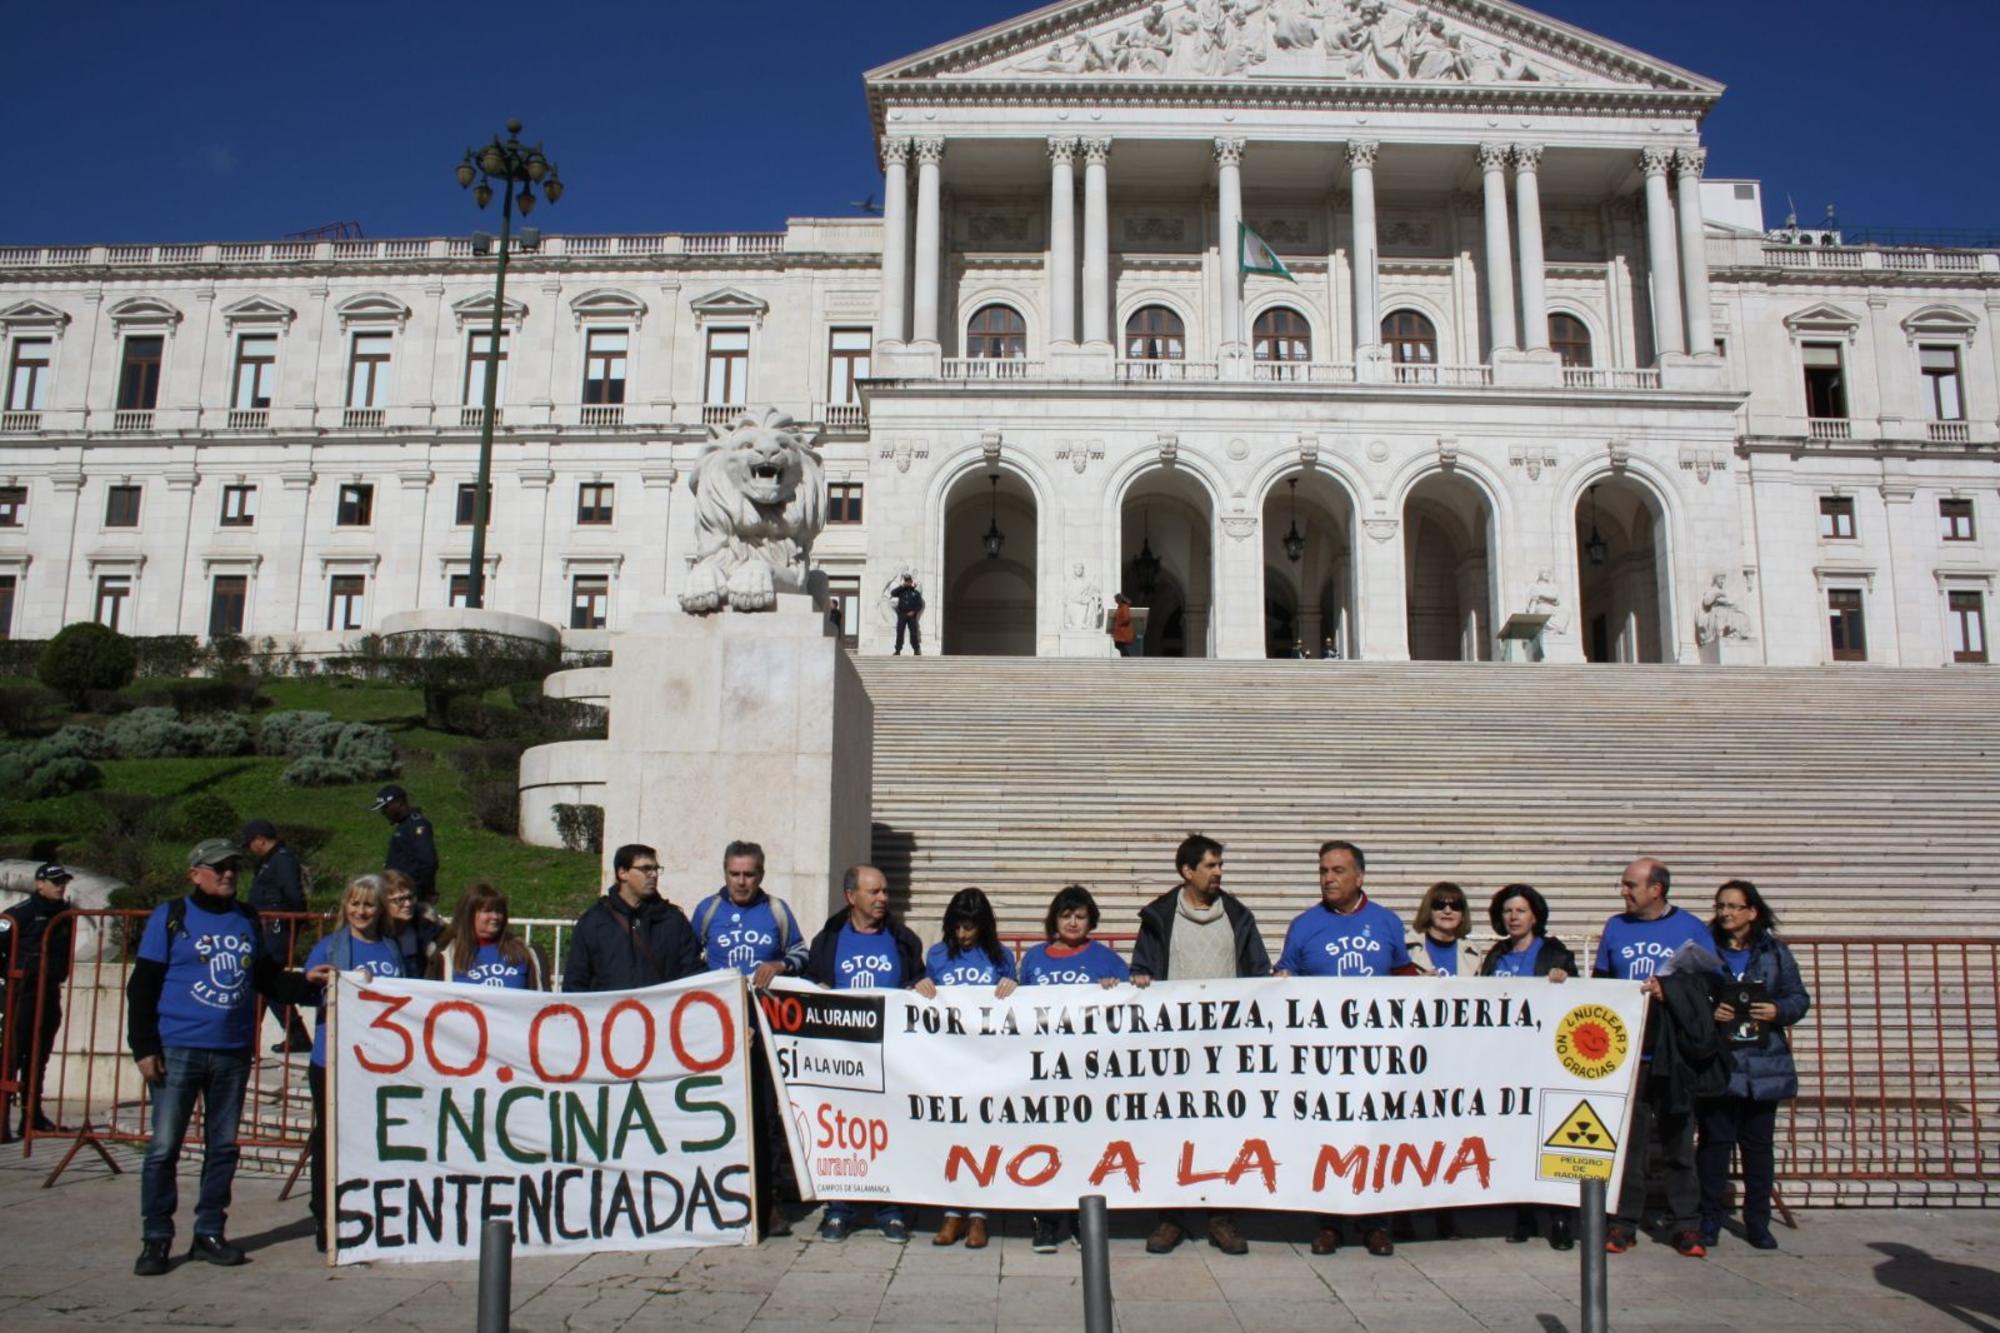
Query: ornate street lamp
[
  {"x": 513, "y": 164},
  {"x": 994, "y": 538},
  {"x": 1595, "y": 550},
  {"x": 1146, "y": 565},
  {"x": 1294, "y": 540}
]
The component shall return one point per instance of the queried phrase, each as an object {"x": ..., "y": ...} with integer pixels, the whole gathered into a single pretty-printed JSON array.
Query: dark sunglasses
[{"x": 1447, "y": 905}]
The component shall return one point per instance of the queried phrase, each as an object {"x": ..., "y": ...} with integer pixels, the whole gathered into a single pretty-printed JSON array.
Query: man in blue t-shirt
[
  {"x": 192, "y": 1007},
  {"x": 1346, "y": 936},
  {"x": 1636, "y": 944}
]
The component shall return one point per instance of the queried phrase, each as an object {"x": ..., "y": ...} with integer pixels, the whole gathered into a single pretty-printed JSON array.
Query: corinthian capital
[
  {"x": 1096, "y": 152},
  {"x": 1655, "y": 161},
  {"x": 1361, "y": 154},
  {"x": 1527, "y": 157},
  {"x": 1690, "y": 162},
  {"x": 930, "y": 151},
  {"x": 1493, "y": 157},
  {"x": 895, "y": 150},
  {"x": 1228, "y": 152},
  {"x": 1062, "y": 151}
]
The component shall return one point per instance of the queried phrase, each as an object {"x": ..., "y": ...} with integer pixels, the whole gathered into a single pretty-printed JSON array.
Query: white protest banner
[
  {"x": 1336, "y": 1096},
  {"x": 590, "y": 1122}
]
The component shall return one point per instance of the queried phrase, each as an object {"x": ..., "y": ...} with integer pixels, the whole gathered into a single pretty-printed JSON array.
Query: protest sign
[
  {"x": 617, "y": 1121},
  {"x": 1336, "y": 1096}
]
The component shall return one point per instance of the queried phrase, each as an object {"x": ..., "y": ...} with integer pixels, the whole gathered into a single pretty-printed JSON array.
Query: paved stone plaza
[{"x": 66, "y": 1255}]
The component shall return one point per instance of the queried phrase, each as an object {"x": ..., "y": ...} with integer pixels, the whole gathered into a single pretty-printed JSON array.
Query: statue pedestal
[{"x": 740, "y": 725}]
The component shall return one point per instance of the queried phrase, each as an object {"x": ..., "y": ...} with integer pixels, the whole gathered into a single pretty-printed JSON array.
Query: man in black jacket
[
  {"x": 41, "y": 958},
  {"x": 412, "y": 844},
  {"x": 631, "y": 937},
  {"x": 1197, "y": 932},
  {"x": 279, "y": 887}
]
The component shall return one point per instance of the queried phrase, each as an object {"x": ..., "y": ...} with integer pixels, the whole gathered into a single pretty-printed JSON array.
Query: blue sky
[{"x": 227, "y": 121}]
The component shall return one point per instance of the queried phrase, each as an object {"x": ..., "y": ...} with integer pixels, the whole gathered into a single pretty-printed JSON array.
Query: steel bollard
[
  {"x": 1093, "y": 1230},
  {"x": 1590, "y": 1235},
  {"x": 496, "y": 1277}
]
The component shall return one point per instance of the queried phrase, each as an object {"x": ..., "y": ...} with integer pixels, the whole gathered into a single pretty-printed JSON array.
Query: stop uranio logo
[{"x": 1591, "y": 1041}]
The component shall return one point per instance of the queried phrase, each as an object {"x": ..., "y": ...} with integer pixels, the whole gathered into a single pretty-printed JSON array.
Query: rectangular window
[
  {"x": 480, "y": 361},
  {"x": 847, "y": 363},
  {"x": 256, "y": 370},
  {"x": 843, "y": 608},
  {"x": 1850, "y": 635},
  {"x": 1955, "y": 520},
  {"x": 593, "y": 503},
  {"x": 113, "y": 590},
  {"x": 1966, "y": 622},
  {"x": 1836, "y": 516},
  {"x": 368, "y": 370},
  {"x": 1826, "y": 382},
  {"x": 356, "y": 507},
  {"x": 121, "y": 506},
  {"x": 344, "y": 600},
  {"x": 589, "y": 601},
  {"x": 604, "y": 367},
  {"x": 239, "y": 506},
  {"x": 467, "y": 494},
  {"x": 458, "y": 590},
  {"x": 28, "y": 375},
  {"x": 1942, "y": 393},
  {"x": 226, "y": 604},
  {"x": 843, "y": 502},
  {"x": 13, "y": 506},
  {"x": 728, "y": 375},
  {"x": 139, "y": 377},
  {"x": 8, "y": 583}
]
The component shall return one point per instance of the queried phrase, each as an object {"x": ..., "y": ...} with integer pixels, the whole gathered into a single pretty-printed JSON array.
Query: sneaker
[
  {"x": 1711, "y": 1233},
  {"x": 216, "y": 1250},
  {"x": 1047, "y": 1238},
  {"x": 153, "y": 1259},
  {"x": 1617, "y": 1240},
  {"x": 896, "y": 1231},
  {"x": 1760, "y": 1238},
  {"x": 1689, "y": 1244},
  {"x": 835, "y": 1230}
]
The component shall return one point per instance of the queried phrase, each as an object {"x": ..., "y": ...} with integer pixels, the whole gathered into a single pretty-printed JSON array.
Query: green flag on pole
[{"x": 1259, "y": 257}]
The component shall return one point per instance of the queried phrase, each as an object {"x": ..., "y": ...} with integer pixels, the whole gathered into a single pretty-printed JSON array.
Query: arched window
[
  {"x": 1280, "y": 335},
  {"x": 1569, "y": 339},
  {"x": 1155, "y": 333},
  {"x": 1413, "y": 344},
  {"x": 996, "y": 332}
]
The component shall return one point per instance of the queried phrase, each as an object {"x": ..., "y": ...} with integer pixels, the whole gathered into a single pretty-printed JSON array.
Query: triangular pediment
[
  {"x": 146, "y": 310},
  {"x": 258, "y": 310},
  {"x": 479, "y": 309},
  {"x": 729, "y": 303},
  {"x": 32, "y": 315},
  {"x": 1358, "y": 42},
  {"x": 376, "y": 308},
  {"x": 1823, "y": 317}
]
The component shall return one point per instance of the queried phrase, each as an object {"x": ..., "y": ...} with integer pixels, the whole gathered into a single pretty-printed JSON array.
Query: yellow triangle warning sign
[{"x": 1583, "y": 1129}]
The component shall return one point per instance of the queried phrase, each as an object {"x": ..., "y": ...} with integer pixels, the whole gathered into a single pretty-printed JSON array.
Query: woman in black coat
[{"x": 1520, "y": 916}]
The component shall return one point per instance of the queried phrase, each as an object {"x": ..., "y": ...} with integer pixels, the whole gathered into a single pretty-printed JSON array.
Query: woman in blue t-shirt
[
  {"x": 354, "y": 945},
  {"x": 1746, "y": 1116},
  {"x": 1520, "y": 916},
  {"x": 970, "y": 954},
  {"x": 1442, "y": 923},
  {"x": 483, "y": 951}
]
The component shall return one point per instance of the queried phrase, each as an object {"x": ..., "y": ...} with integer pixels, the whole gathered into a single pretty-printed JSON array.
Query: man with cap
[
  {"x": 278, "y": 887},
  {"x": 191, "y": 1005},
  {"x": 411, "y": 849},
  {"x": 909, "y": 612},
  {"x": 41, "y": 958}
]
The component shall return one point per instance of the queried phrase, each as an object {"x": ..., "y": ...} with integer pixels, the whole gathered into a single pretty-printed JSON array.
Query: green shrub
[
  {"x": 453, "y": 665},
  {"x": 202, "y": 694},
  {"x": 218, "y": 735},
  {"x": 305, "y": 840},
  {"x": 167, "y": 654},
  {"x": 53, "y": 766},
  {"x": 86, "y": 657},
  {"x": 581, "y": 827},
  {"x": 496, "y": 804},
  {"x": 28, "y": 710},
  {"x": 75, "y": 742},
  {"x": 60, "y": 777},
  {"x": 206, "y": 815},
  {"x": 297, "y": 731},
  {"x": 334, "y": 753},
  {"x": 148, "y": 733},
  {"x": 21, "y": 657}
]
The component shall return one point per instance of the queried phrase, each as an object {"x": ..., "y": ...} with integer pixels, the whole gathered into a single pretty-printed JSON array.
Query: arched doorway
[
  {"x": 1622, "y": 570},
  {"x": 989, "y": 585},
  {"x": 1166, "y": 562},
  {"x": 1448, "y": 570},
  {"x": 1318, "y": 585}
]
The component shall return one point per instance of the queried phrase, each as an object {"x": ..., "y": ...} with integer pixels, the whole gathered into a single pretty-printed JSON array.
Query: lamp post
[
  {"x": 994, "y": 538},
  {"x": 513, "y": 164},
  {"x": 1595, "y": 550},
  {"x": 1146, "y": 565},
  {"x": 1294, "y": 540}
]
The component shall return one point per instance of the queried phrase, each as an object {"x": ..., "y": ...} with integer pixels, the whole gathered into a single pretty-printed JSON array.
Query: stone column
[
  {"x": 1660, "y": 263},
  {"x": 1499, "y": 254},
  {"x": 895, "y": 239},
  {"x": 1361, "y": 172},
  {"x": 1062, "y": 242},
  {"x": 1382, "y": 631},
  {"x": 1096, "y": 243},
  {"x": 1534, "y": 277},
  {"x": 1229, "y": 243},
  {"x": 924, "y": 321},
  {"x": 1688, "y": 164}
]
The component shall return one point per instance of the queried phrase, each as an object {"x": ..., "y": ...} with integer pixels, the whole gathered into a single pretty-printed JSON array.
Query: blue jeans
[
  {"x": 847, "y": 1212},
  {"x": 218, "y": 1079}
]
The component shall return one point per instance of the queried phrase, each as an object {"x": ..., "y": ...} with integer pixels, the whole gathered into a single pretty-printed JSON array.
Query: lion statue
[{"x": 760, "y": 500}]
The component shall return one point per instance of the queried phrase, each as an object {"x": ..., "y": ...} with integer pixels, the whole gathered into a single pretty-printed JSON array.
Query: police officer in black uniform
[
  {"x": 279, "y": 887},
  {"x": 411, "y": 849},
  {"x": 41, "y": 958},
  {"x": 909, "y": 610}
]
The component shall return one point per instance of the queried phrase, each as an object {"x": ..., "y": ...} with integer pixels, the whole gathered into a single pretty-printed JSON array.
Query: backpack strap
[
  {"x": 177, "y": 914},
  {"x": 703, "y": 915},
  {"x": 788, "y": 926}
]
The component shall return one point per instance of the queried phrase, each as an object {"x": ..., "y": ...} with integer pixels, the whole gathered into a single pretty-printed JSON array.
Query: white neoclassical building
[{"x": 1517, "y": 363}]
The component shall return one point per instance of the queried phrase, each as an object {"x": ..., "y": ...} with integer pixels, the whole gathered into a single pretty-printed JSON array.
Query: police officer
[
  {"x": 41, "y": 958},
  {"x": 909, "y": 610},
  {"x": 278, "y": 887},
  {"x": 411, "y": 849}
]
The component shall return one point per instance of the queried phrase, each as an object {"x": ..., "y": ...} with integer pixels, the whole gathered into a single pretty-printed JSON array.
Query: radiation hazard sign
[{"x": 1579, "y": 1136}]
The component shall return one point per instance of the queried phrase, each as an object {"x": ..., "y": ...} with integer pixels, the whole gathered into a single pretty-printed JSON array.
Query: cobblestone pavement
[{"x": 66, "y": 1255}]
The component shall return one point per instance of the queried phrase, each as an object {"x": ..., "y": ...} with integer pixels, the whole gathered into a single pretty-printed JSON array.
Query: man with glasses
[
  {"x": 631, "y": 937},
  {"x": 191, "y": 1002}
]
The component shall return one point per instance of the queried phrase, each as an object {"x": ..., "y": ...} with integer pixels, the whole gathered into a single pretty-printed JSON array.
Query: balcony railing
[
  {"x": 1302, "y": 372},
  {"x": 994, "y": 368},
  {"x": 604, "y": 414},
  {"x": 363, "y": 418},
  {"x": 1609, "y": 377},
  {"x": 721, "y": 414},
  {"x": 474, "y": 418},
  {"x": 1136, "y": 372},
  {"x": 1448, "y": 376},
  {"x": 14, "y": 423},
  {"x": 410, "y": 249},
  {"x": 737, "y": 243},
  {"x": 132, "y": 419},
  {"x": 249, "y": 418},
  {"x": 843, "y": 416},
  {"x": 1826, "y": 430},
  {"x": 1948, "y": 432}
]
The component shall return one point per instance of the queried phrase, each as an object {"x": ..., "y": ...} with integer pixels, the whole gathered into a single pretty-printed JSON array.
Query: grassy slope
[{"x": 538, "y": 881}]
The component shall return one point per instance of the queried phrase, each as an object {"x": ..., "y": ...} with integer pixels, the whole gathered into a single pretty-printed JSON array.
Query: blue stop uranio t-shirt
[
  {"x": 1089, "y": 965},
  {"x": 1632, "y": 950},
  {"x": 972, "y": 967},
  {"x": 866, "y": 961},
  {"x": 208, "y": 1000},
  {"x": 491, "y": 968},
  {"x": 741, "y": 937},
  {"x": 378, "y": 958},
  {"x": 1518, "y": 962},
  {"x": 1367, "y": 942}
]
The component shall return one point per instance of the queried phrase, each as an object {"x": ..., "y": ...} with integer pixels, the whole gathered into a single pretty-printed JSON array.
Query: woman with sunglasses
[
  {"x": 1442, "y": 923},
  {"x": 1520, "y": 916}
]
